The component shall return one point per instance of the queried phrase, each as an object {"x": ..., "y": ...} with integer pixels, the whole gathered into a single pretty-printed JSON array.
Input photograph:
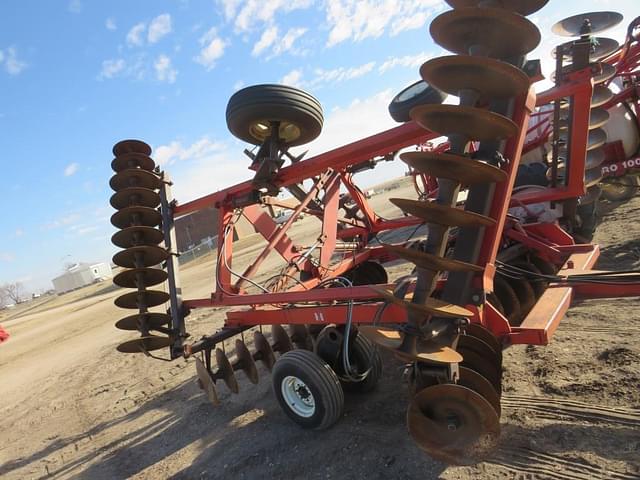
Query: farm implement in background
[{"x": 483, "y": 279}]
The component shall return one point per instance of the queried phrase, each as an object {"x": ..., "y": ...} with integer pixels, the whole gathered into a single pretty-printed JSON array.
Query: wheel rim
[
  {"x": 298, "y": 396},
  {"x": 288, "y": 132}
]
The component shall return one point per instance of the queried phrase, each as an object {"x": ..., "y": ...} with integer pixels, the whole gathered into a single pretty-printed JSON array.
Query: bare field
[{"x": 73, "y": 407}]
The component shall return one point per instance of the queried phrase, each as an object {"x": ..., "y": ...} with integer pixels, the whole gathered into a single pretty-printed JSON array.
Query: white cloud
[
  {"x": 230, "y": 7},
  {"x": 159, "y": 27},
  {"x": 175, "y": 151},
  {"x": 212, "y": 49},
  {"x": 134, "y": 37},
  {"x": 110, "y": 24},
  {"x": 292, "y": 78},
  {"x": 111, "y": 68},
  {"x": 71, "y": 169},
  {"x": 340, "y": 74},
  {"x": 255, "y": 12},
  {"x": 359, "y": 19},
  {"x": 19, "y": 232},
  {"x": 266, "y": 40},
  {"x": 164, "y": 71},
  {"x": 279, "y": 46},
  {"x": 238, "y": 85},
  {"x": 409, "y": 61},
  {"x": 75, "y": 6},
  {"x": 7, "y": 257},
  {"x": 12, "y": 64}
]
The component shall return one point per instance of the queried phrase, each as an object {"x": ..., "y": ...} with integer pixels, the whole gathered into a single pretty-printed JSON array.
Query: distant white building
[{"x": 81, "y": 275}]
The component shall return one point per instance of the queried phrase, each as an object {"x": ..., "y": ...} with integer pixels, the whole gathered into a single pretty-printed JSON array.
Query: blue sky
[{"x": 77, "y": 76}]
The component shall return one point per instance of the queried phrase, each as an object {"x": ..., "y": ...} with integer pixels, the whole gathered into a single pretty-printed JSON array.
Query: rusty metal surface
[
  {"x": 150, "y": 320},
  {"x": 134, "y": 177},
  {"x": 245, "y": 362},
  {"x": 454, "y": 167},
  {"x": 523, "y": 7},
  {"x": 147, "y": 298},
  {"x": 264, "y": 352},
  {"x": 206, "y": 382},
  {"x": 595, "y": 22},
  {"x": 127, "y": 161},
  {"x": 431, "y": 306},
  {"x": 441, "y": 214},
  {"x": 131, "y": 146},
  {"x": 140, "y": 277},
  {"x": 144, "y": 344},
  {"x": 141, "y": 256},
  {"x": 136, "y": 216},
  {"x": 134, "y": 196},
  {"x": 225, "y": 371},
  {"x": 431, "y": 262},
  {"x": 137, "y": 236},
  {"x": 476, "y": 382}
]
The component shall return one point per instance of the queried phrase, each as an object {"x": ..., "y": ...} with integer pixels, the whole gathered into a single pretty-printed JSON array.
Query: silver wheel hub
[{"x": 298, "y": 396}]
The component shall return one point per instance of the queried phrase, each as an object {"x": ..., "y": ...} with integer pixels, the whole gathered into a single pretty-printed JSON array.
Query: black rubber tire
[
  {"x": 418, "y": 93},
  {"x": 362, "y": 356},
  {"x": 508, "y": 299},
  {"x": 526, "y": 295},
  {"x": 264, "y": 103},
  {"x": 367, "y": 273},
  {"x": 538, "y": 285},
  {"x": 321, "y": 381},
  {"x": 619, "y": 189}
]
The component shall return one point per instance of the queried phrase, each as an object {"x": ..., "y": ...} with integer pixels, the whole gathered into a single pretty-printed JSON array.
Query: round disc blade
[
  {"x": 245, "y": 361},
  {"x": 592, "y": 177},
  {"x": 131, "y": 146},
  {"x": 281, "y": 341},
  {"x": 134, "y": 196},
  {"x": 441, "y": 214},
  {"x": 504, "y": 34},
  {"x": 144, "y": 344},
  {"x": 523, "y": 7},
  {"x": 594, "y": 158},
  {"x": 470, "y": 122},
  {"x": 597, "y": 137},
  {"x": 484, "y": 334},
  {"x": 490, "y": 78},
  {"x": 300, "y": 337},
  {"x": 139, "y": 320},
  {"x": 601, "y": 71},
  {"x": 137, "y": 236},
  {"x": 598, "y": 117},
  {"x": 453, "y": 424},
  {"x": 138, "y": 257},
  {"x": 432, "y": 262},
  {"x": 264, "y": 352},
  {"x": 134, "y": 177},
  {"x": 136, "y": 216},
  {"x": 206, "y": 382},
  {"x": 593, "y": 194},
  {"x": 476, "y": 382},
  {"x": 601, "y": 95},
  {"x": 586, "y": 24},
  {"x": 484, "y": 366},
  {"x": 225, "y": 371},
  {"x": 145, "y": 299},
  {"x": 601, "y": 47},
  {"x": 432, "y": 306},
  {"x": 140, "y": 277},
  {"x": 132, "y": 160},
  {"x": 482, "y": 348},
  {"x": 454, "y": 167}
]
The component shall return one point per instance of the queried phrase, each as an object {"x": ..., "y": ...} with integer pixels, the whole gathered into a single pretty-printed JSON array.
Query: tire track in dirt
[{"x": 628, "y": 330}]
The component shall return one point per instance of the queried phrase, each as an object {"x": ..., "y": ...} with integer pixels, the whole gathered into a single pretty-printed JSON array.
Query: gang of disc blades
[
  {"x": 453, "y": 424},
  {"x": 597, "y": 118},
  {"x": 593, "y": 194},
  {"x": 139, "y": 257},
  {"x": 135, "y": 177},
  {"x": 599, "y": 22},
  {"x": 264, "y": 352},
  {"x": 426, "y": 351},
  {"x": 469, "y": 122},
  {"x": 484, "y": 366},
  {"x": 137, "y": 237},
  {"x": 504, "y": 34},
  {"x": 245, "y": 361},
  {"x": 484, "y": 334},
  {"x": 442, "y": 214},
  {"x": 131, "y": 146},
  {"x": 207, "y": 383},
  {"x": 601, "y": 71},
  {"x": 476, "y": 382},
  {"x": 225, "y": 371},
  {"x": 431, "y": 262},
  {"x": 147, "y": 276},
  {"x": 523, "y": 7},
  {"x": 281, "y": 341},
  {"x": 144, "y": 344},
  {"x": 488, "y": 77},
  {"x": 132, "y": 160},
  {"x": 469, "y": 342},
  {"x": 597, "y": 137},
  {"x": 592, "y": 177},
  {"x": 601, "y": 47},
  {"x": 300, "y": 337},
  {"x": 144, "y": 299},
  {"x": 136, "y": 216},
  {"x": 134, "y": 196},
  {"x": 465, "y": 170},
  {"x": 432, "y": 306},
  {"x": 153, "y": 321}
]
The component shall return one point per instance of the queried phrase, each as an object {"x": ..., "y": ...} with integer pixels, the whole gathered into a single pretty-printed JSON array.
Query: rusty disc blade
[
  {"x": 592, "y": 177},
  {"x": 134, "y": 196},
  {"x": 594, "y": 158},
  {"x": 597, "y": 137},
  {"x": 523, "y": 7},
  {"x": 483, "y": 365},
  {"x": 503, "y": 34},
  {"x": 600, "y": 47},
  {"x": 264, "y": 352},
  {"x": 484, "y": 334},
  {"x": 225, "y": 371},
  {"x": 432, "y": 306},
  {"x": 140, "y": 277},
  {"x": 490, "y": 78},
  {"x": 600, "y": 96},
  {"x": 281, "y": 341},
  {"x": 476, "y": 382},
  {"x": 598, "y": 117},
  {"x": 453, "y": 424},
  {"x": 432, "y": 262},
  {"x": 442, "y": 214},
  {"x": 136, "y": 216},
  {"x": 131, "y": 146},
  {"x": 245, "y": 362},
  {"x": 470, "y": 122},
  {"x": 144, "y": 344},
  {"x": 586, "y": 24},
  {"x": 454, "y": 167},
  {"x": 150, "y": 320},
  {"x": 139, "y": 257},
  {"x": 134, "y": 177},
  {"x": 137, "y": 236},
  {"x": 300, "y": 337},
  {"x": 601, "y": 71},
  {"x": 132, "y": 160},
  {"x": 206, "y": 382},
  {"x": 426, "y": 351},
  {"x": 144, "y": 299},
  {"x": 482, "y": 348},
  {"x": 593, "y": 194}
]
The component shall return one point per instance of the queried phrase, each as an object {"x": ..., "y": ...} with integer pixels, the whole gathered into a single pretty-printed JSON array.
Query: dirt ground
[{"x": 71, "y": 406}]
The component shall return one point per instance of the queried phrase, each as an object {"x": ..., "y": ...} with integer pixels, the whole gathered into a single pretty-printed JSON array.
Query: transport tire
[
  {"x": 363, "y": 356},
  {"x": 308, "y": 390},
  {"x": 419, "y": 93},
  {"x": 250, "y": 110}
]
